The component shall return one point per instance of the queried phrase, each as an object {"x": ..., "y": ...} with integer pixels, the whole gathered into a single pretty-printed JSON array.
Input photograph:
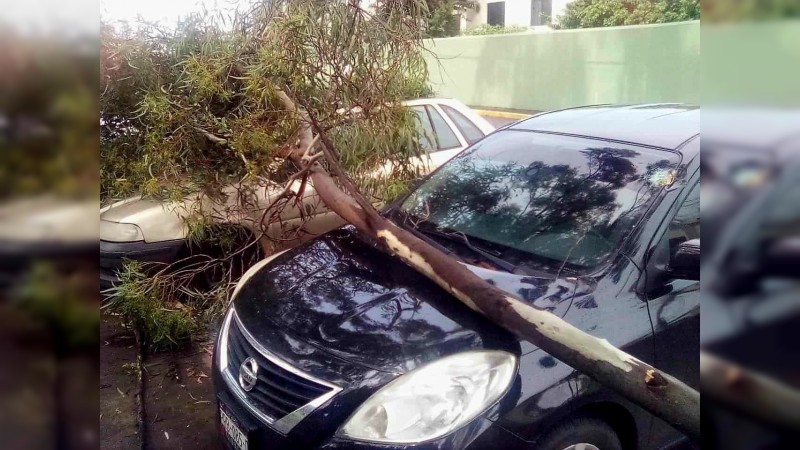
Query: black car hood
[{"x": 344, "y": 296}]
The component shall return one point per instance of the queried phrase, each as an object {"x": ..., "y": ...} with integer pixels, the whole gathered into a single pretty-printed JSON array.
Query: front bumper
[
  {"x": 481, "y": 433},
  {"x": 283, "y": 357},
  {"x": 113, "y": 255},
  {"x": 318, "y": 429}
]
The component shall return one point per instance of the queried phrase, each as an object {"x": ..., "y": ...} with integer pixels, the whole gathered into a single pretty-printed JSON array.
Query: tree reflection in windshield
[{"x": 565, "y": 199}]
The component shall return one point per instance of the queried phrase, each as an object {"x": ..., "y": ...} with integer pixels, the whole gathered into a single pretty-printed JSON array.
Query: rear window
[
  {"x": 444, "y": 134},
  {"x": 471, "y": 132},
  {"x": 425, "y": 128}
]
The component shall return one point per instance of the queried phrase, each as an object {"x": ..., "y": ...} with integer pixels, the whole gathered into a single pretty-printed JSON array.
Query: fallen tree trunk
[
  {"x": 653, "y": 390},
  {"x": 756, "y": 395}
]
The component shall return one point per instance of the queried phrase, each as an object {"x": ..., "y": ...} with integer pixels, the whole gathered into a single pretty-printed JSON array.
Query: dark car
[
  {"x": 588, "y": 213},
  {"x": 751, "y": 264}
]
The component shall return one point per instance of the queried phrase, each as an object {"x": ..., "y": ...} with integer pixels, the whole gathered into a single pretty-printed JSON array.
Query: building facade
[{"x": 527, "y": 13}]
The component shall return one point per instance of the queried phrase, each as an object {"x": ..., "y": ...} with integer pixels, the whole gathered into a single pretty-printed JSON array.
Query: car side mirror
[{"x": 685, "y": 263}]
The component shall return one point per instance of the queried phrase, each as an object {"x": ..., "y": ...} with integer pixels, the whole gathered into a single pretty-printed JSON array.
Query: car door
[{"x": 673, "y": 304}]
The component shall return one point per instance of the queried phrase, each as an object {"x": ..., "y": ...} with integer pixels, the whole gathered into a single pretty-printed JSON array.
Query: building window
[
  {"x": 541, "y": 12},
  {"x": 496, "y": 13}
]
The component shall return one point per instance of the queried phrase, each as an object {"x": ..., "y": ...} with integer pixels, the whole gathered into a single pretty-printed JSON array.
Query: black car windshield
[{"x": 557, "y": 199}]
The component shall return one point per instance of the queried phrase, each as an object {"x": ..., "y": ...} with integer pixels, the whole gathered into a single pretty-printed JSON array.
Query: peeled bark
[{"x": 653, "y": 390}]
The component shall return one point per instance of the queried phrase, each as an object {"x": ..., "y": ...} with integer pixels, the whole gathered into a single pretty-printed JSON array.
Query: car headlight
[
  {"x": 433, "y": 400},
  {"x": 120, "y": 232}
]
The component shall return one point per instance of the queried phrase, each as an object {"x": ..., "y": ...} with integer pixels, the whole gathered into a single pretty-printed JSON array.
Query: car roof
[
  {"x": 465, "y": 110},
  {"x": 664, "y": 125}
]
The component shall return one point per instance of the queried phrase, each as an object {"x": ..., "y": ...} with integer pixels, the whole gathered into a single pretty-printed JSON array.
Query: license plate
[{"x": 235, "y": 435}]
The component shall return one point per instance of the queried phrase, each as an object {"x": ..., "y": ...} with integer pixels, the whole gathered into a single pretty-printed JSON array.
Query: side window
[
  {"x": 468, "y": 129},
  {"x": 428, "y": 142},
  {"x": 686, "y": 223},
  {"x": 444, "y": 134}
]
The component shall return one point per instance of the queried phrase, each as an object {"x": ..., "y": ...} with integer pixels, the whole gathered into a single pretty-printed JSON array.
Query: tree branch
[{"x": 212, "y": 137}]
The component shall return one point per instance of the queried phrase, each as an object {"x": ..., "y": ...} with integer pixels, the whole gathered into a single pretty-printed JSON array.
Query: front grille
[{"x": 278, "y": 390}]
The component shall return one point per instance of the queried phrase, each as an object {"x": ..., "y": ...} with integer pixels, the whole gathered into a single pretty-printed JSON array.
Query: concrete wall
[
  {"x": 752, "y": 63},
  {"x": 559, "y": 69}
]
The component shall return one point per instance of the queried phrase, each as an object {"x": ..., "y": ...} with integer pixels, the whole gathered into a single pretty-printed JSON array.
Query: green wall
[
  {"x": 560, "y": 69},
  {"x": 752, "y": 63}
]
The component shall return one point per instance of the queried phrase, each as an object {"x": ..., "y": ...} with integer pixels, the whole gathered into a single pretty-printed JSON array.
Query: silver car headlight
[
  {"x": 120, "y": 232},
  {"x": 433, "y": 400}
]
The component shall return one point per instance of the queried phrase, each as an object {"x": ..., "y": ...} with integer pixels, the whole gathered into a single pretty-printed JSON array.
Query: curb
[{"x": 502, "y": 114}]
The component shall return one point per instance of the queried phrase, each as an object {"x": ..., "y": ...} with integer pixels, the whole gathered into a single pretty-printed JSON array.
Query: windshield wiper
[
  {"x": 413, "y": 230},
  {"x": 461, "y": 238}
]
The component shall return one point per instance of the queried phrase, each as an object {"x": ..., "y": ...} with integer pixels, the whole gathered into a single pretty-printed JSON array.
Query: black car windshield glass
[{"x": 563, "y": 199}]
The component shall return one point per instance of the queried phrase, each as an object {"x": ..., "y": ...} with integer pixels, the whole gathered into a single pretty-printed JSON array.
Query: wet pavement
[
  {"x": 119, "y": 386},
  {"x": 178, "y": 410}
]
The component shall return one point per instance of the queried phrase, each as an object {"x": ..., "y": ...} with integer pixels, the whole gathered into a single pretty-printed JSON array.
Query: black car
[
  {"x": 751, "y": 264},
  {"x": 337, "y": 345}
]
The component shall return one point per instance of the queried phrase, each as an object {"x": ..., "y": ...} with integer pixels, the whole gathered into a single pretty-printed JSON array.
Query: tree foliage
[
  {"x": 194, "y": 112},
  {"x": 64, "y": 302},
  {"x": 194, "y": 108},
  {"x": 609, "y": 13},
  {"x": 162, "y": 324},
  {"x": 48, "y": 116},
  {"x": 749, "y": 10},
  {"x": 444, "y": 16}
]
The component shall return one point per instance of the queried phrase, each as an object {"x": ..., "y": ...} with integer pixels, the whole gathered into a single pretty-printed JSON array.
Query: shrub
[
  {"x": 485, "y": 29},
  {"x": 142, "y": 305},
  {"x": 609, "y": 13},
  {"x": 65, "y": 303}
]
